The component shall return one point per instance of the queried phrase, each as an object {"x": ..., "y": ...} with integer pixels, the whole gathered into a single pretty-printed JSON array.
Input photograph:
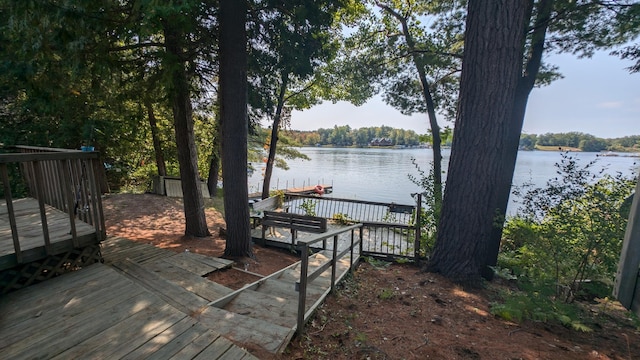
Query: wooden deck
[
  {"x": 119, "y": 311},
  {"x": 146, "y": 302},
  {"x": 31, "y": 234}
]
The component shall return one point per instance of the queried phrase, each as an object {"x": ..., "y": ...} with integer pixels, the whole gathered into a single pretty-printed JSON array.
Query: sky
[{"x": 597, "y": 96}]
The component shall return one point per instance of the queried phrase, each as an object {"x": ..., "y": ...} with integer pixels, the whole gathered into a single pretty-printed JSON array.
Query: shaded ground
[{"x": 388, "y": 311}]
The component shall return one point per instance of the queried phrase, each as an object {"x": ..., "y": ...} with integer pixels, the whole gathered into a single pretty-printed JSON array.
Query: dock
[{"x": 304, "y": 190}]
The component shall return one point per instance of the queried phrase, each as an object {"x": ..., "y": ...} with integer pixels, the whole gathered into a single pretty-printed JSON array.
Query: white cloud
[{"x": 610, "y": 104}]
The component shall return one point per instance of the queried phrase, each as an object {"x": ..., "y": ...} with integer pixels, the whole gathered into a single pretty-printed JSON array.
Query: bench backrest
[
  {"x": 312, "y": 224},
  {"x": 267, "y": 204}
]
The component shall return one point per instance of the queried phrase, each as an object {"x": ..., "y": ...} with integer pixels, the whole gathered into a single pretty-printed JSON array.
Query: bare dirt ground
[{"x": 389, "y": 311}]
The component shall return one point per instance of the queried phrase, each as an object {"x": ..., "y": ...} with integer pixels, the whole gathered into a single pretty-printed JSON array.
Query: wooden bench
[
  {"x": 294, "y": 222},
  {"x": 259, "y": 207}
]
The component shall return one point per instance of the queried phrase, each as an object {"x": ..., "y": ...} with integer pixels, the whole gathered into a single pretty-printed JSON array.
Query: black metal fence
[{"x": 390, "y": 230}]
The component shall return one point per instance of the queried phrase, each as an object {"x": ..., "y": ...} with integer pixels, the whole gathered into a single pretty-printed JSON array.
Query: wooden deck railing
[
  {"x": 66, "y": 180},
  {"x": 304, "y": 246}
]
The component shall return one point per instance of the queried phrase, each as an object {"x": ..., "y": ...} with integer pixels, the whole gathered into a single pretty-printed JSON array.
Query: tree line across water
[
  {"x": 362, "y": 137},
  {"x": 584, "y": 142}
]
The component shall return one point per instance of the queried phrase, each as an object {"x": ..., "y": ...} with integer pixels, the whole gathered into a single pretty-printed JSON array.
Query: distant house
[{"x": 381, "y": 142}]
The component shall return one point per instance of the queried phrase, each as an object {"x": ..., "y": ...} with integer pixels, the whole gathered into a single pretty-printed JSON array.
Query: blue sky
[{"x": 597, "y": 96}]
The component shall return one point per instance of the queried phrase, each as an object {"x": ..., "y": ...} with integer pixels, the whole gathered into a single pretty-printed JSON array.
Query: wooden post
[
  {"x": 418, "y": 225},
  {"x": 351, "y": 250},
  {"x": 43, "y": 211},
  {"x": 98, "y": 168},
  {"x": 627, "y": 284},
  {"x": 12, "y": 217},
  {"x": 302, "y": 290},
  {"x": 68, "y": 194},
  {"x": 334, "y": 262}
]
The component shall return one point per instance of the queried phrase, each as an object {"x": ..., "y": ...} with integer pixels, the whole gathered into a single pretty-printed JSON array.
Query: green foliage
[
  {"x": 584, "y": 142},
  {"x": 279, "y": 194},
  {"x": 537, "y": 306},
  {"x": 345, "y": 136},
  {"x": 564, "y": 243},
  {"x": 342, "y": 219},
  {"x": 377, "y": 263},
  {"x": 430, "y": 212},
  {"x": 309, "y": 207},
  {"x": 386, "y": 294}
]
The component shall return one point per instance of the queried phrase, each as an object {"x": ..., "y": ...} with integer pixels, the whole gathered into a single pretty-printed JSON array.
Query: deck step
[
  {"x": 244, "y": 329},
  {"x": 173, "y": 294},
  {"x": 197, "y": 263},
  {"x": 287, "y": 289},
  {"x": 258, "y": 305},
  {"x": 202, "y": 287}
]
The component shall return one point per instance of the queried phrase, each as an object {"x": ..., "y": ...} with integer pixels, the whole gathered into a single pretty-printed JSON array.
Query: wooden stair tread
[
  {"x": 245, "y": 329},
  {"x": 258, "y": 305},
  {"x": 202, "y": 287},
  {"x": 197, "y": 263},
  {"x": 173, "y": 294}
]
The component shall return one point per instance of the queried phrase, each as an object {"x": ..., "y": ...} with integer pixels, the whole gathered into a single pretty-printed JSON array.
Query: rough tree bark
[
  {"x": 512, "y": 141},
  {"x": 234, "y": 126},
  {"x": 214, "y": 168},
  {"x": 179, "y": 94},
  {"x": 431, "y": 110},
  {"x": 275, "y": 128},
  {"x": 157, "y": 146},
  {"x": 490, "y": 73}
]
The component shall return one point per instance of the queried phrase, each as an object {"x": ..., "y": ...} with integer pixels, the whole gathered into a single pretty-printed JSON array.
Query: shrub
[{"x": 566, "y": 239}]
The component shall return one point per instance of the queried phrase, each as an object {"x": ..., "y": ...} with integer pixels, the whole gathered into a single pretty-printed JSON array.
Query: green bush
[
  {"x": 430, "y": 213},
  {"x": 565, "y": 242}
]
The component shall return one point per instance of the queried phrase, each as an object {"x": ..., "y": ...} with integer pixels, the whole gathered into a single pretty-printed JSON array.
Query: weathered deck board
[
  {"x": 78, "y": 320},
  {"x": 216, "y": 263},
  {"x": 137, "y": 252},
  {"x": 260, "y": 305},
  {"x": 204, "y": 288},
  {"x": 109, "y": 316},
  {"x": 245, "y": 329},
  {"x": 215, "y": 350},
  {"x": 173, "y": 294},
  {"x": 49, "y": 312},
  {"x": 130, "y": 334},
  {"x": 29, "y": 226},
  {"x": 287, "y": 289},
  {"x": 160, "y": 340},
  {"x": 196, "y": 346},
  {"x": 188, "y": 262}
]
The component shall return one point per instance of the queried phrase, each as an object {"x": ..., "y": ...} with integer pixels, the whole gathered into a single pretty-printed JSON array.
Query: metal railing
[
  {"x": 390, "y": 230},
  {"x": 355, "y": 210}
]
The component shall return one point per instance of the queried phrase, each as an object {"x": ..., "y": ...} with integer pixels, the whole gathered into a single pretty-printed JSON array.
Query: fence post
[
  {"x": 334, "y": 262},
  {"x": 416, "y": 246},
  {"x": 302, "y": 290},
  {"x": 4, "y": 176}
]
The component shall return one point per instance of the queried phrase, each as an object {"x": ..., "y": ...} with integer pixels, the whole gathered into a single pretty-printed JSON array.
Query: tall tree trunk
[
  {"x": 490, "y": 73},
  {"x": 157, "y": 146},
  {"x": 512, "y": 141},
  {"x": 274, "y": 137},
  {"x": 214, "y": 166},
  {"x": 431, "y": 111},
  {"x": 179, "y": 94},
  {"x": 234, "y": 126}
]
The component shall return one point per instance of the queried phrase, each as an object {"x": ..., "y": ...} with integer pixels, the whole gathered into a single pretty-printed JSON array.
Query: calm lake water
[{"x": 383, "y": 174}]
